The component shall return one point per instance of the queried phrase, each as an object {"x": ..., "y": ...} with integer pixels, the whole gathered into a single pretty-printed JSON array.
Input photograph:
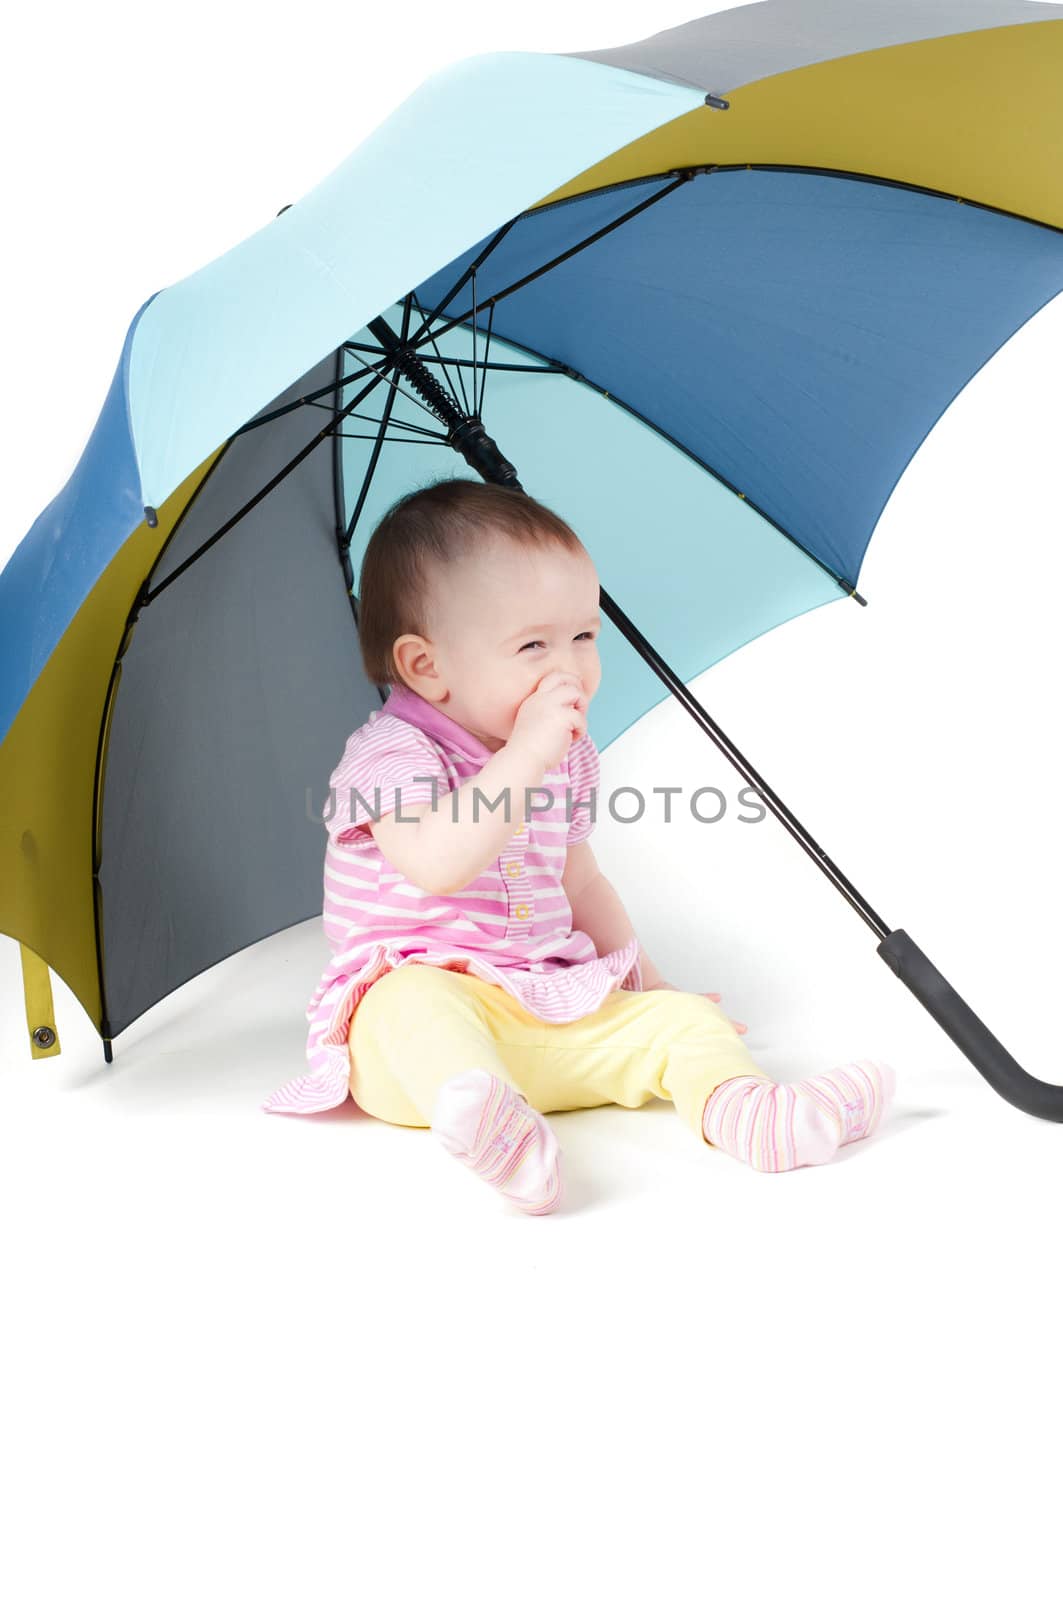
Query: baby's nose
[{"x": 563, "y": 671}]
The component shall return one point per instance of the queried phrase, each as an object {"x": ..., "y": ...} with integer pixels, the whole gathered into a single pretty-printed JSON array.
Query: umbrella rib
[
  {"x": 476, "y": 399},
  {"x": 548, "y": 266},
  {"x": 844, "y": 173},
  {"x": 393, "y": 440},
  {"x": 410, "y": 347},
  {"x": 492, "y": 245},
  {"x": 312, "y": 398},
  {"x": 148, "y": 595},
  {"x": 395, "y": 422},
  {"x": 463, "y": 361},
  {"x": 367, "y": 476},
  {"x": 487, "y": 347},
  {"x": 463, "y": 399}
]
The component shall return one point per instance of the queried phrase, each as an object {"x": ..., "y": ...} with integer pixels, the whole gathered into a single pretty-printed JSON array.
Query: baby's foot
[
  {"x": 777, "y": 1126},
  {"x": 769, "y": 1125},
  {"x": 491, "y": 1129},
  {"x": 855, "y": 1096}
]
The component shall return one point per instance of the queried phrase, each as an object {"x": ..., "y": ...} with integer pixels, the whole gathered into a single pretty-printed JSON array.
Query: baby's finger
[{"x": 739, "y": 1027}]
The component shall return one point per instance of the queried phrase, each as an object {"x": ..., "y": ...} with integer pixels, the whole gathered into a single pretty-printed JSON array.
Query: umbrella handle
[{"x": 1000, "y": 1070}]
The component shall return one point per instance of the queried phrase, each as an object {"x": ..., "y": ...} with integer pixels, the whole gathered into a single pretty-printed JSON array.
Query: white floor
[{"x": 280, "y": 1356}]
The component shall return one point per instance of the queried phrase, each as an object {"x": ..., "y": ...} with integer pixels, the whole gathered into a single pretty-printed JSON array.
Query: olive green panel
[
  {"x": 976, "y": 115},
  {"x": 40, "y": 1011},
  {"x": 48, "y": 768}
]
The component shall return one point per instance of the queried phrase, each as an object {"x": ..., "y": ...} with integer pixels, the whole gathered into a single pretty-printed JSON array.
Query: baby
[{"x": 485, "y": 972}]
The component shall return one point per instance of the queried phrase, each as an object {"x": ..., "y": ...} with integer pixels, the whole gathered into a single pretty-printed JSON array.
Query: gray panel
[
  {"x": 722, "y": 52},
  {"x": 240, "y": 686}
]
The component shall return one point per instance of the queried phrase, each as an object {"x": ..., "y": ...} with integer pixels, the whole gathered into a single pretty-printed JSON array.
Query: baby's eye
[{"x": 588, "y": 634}]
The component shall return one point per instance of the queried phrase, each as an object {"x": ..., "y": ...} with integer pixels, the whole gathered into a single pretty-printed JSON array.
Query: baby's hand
[
  {"x": 551, "y": 718},
  {"x": 739, "y": 1027}
]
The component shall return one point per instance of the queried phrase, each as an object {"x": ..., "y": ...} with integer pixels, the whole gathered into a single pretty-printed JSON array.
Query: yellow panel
[
  {"x": 975, "y": 115},
  {"x": 40, "y": 1011},
  {"x": 48, "y": 770}
]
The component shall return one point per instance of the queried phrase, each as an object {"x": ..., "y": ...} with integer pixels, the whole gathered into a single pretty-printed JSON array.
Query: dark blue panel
[
  {"x": 799, "y": 333},
  {"x": 56, "y": 564}
]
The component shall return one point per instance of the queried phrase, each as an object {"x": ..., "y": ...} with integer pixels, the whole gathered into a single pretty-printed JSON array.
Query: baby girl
[{"x": 484, "y": 970}]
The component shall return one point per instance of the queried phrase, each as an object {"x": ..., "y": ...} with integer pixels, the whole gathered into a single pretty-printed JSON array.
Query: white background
[{"x": 245, "y": 1354}]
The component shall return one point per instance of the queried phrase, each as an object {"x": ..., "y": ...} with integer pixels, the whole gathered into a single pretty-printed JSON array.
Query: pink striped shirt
[{"x": 511, "y": 926}]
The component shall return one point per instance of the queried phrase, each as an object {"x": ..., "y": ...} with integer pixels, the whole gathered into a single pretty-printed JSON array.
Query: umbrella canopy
[{"x": 708, "y": 292}]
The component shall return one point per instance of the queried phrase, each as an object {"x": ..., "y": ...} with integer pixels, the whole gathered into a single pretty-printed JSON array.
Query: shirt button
[
  {"x": 513, "y": 869},
  {"x": 522, "y": 911}
]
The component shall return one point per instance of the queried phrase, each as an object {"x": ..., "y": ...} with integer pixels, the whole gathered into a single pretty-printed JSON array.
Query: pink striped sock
[
  {"x": 777, "y": 1126},
  {"x": 491, "y": 1129},
  {"x": 855, "y": 1096},
  {"x": 769, "y": 1125}
]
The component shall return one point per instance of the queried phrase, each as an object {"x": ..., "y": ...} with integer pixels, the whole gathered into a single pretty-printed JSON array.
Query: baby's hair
[{"x": 443, "y": 524}]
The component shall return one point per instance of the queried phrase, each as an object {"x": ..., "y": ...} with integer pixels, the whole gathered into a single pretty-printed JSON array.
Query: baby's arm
[
  {"x": 458, "y": 838},
  {"x": 598, "y": 911}
]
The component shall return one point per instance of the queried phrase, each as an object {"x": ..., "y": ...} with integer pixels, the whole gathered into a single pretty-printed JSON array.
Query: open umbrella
[{"x": 704, "y": 295}]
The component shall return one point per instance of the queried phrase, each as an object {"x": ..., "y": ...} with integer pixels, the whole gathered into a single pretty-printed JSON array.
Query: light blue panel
[
  {"x": 478, "y": 142},
  {"x": 659, "y": 528}
]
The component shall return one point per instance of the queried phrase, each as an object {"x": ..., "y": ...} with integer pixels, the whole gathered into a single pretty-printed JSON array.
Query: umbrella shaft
[
  {"x": 467, "y": 435},
  {"x": 737, "y": 760}
]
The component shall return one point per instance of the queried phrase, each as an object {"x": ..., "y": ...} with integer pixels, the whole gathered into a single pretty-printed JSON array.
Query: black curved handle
[{"x": 1000, "y": 1070}]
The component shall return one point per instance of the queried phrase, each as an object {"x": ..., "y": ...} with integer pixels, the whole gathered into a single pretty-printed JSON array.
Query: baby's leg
[
  {"x": 682, "y": 1047},
  {"x": 774, "y": 1127},
  {"x": 423, "y": 1053}
]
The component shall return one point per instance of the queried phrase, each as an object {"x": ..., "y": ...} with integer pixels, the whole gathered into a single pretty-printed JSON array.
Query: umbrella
[{"x": 704, "y": 294}]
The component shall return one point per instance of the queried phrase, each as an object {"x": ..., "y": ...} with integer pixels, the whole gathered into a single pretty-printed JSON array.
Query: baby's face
[{"x": 502, "y": 622}]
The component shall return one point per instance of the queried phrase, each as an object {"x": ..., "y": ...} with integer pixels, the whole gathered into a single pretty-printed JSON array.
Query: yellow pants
[{"x": 419, "y": 1025}]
